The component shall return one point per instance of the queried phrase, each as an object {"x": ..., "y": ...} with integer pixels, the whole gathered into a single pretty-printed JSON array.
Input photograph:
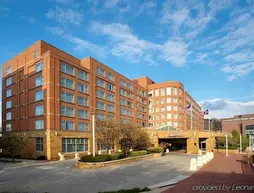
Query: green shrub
[
  {"x": 116, "y": 156},
  {"x": 155, "y": 150},
  {"x": 97, "y": 158},
  {"x": 138, "y": 153},
  {"x": 101, "y": 158}
]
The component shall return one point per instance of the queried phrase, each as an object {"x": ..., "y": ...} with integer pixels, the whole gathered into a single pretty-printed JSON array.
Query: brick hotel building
[{"x": 48, "y": 97}]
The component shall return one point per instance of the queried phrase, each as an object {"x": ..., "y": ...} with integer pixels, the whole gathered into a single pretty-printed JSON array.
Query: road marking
[{"x": 46, "y": 167}]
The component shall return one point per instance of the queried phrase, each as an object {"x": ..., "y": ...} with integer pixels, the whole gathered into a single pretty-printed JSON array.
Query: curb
[
  {"x": 35, "y": 164},
  {"x": 169, "y": 182}
]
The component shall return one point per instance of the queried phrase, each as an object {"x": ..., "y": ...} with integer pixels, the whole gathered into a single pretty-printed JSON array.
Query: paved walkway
[{"x": 222, "y": 174}]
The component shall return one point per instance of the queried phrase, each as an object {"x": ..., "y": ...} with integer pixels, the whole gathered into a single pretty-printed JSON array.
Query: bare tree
[{"x": 107, "y": 133}]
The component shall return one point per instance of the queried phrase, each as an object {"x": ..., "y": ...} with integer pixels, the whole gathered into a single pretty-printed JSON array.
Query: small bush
[
  {"x": 138, "y": 153},
  {"x": 116, "y": 156},
  {"x": 101, "y": 158},
  {"x": 155, "y": 150},
  {"x": 97, "y": 158}
]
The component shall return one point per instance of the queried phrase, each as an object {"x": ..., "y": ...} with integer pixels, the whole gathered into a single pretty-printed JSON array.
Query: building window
[
  {"x": 169, "y": 116},
  {"x": 162, "y": 92},
  {"x": 169, "y": 108},
  {"x": 67, "y": 97},
  {"x": 102, "y": 147},
  {"x": 39, "y": 66},
  {"x": 100, "y": 71},
  {"x": 157, "y": 101},
  {"x": 162, "y": 101},
  {"x": 175, "y": 91},
  {"x": 168, "y": 90},
  {"x": 82, "y": 75},
  {"x": 100, "y": 94},
  {"x": 111, "y": 76},
  {"x": 8, "y": 116},
  {"x": 38, "y": 95},
  {"x": 123, "y": 102},
  {"x": 157, "y": 110},
  {"x": 123, "y": 111},
  {"x": 162, "y": 109},
  {"x": 82, "y": 101},
  {"x": 111, "y": 108},
  {"x": 111, "y": 87},
  {"x": 39, "y": 144},
  {"x": 175, "y": 108},
  {"x": 39, "y": 110},
  {"x": 82, "y": 114},
  {"x": 169, "y": 123},
  {"x": 175, "y": 100},
  {"x": 100, "y": 82},
  {"x": 129, "y": 86},
  {"x": 8, "y": 105},
  {"x": 176, "y": 124},
  {"x": 111, "y": 97},
  {"x": 66, "y": 68},
  {"x": 38, "y": 81},
  {"x": 67, "y": 125},
  {"x": 157, "y": 117},
  {"x": 8, "y": 81},
  {"x": 129, "y": 104},
  {"x": 129, "y": 113},
  {"x": 168, "y": 100},
  {"x": 82, "y": 126},
  {"x": 122, "y": 83},
  {"x": 67, "y": 111},
  {"x": 8, "y": 70},
  {"x": 123, "y": 92},
  {"x": 39, "y": 124},
  {"x": 162, "y": 116},
  {"x": 67, "y": 83},
  {"x": 156, "y": 92},
  {"x": 100, "y": 105},
  {"x": 110, "y": 117},
  {"x": 8, "y": 127},
  {"x": 175, "y": 116},
  {"x": 8, "y": 92},
  {"x": 82, "y": 88},
  {"x": 100, "y": 116},
  {"x": 74, "y": 144}
]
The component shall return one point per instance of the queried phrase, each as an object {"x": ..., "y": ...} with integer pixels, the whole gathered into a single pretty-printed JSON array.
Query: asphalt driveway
[{"x": 62, "y": 177}]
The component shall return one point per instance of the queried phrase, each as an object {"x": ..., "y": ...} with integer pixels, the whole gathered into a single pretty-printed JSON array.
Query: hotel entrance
[{"x": 172, "y": 139}]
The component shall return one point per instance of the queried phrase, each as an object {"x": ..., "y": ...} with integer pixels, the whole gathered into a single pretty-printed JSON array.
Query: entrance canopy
[
  {"x": 172, "y": 132},
  {"x": 168, "y": 128}
]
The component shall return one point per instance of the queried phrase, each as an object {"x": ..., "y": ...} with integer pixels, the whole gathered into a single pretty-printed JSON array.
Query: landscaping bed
[{"x": 99, "y": 161}]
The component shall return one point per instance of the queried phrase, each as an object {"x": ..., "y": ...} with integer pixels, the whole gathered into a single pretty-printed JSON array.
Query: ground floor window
[
  {"x": 74, "y": 144},
  {"x": 39, "y": 144},
  {"x": 102, "y": 147}
]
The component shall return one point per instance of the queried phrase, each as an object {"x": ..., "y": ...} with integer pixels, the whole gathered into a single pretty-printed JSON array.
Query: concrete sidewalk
[{"x": 222, "y": 174}]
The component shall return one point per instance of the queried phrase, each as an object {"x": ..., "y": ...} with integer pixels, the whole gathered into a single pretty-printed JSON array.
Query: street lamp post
[
  {"x": 93, "y": 125},
  {"x": 226, "y": 144}
]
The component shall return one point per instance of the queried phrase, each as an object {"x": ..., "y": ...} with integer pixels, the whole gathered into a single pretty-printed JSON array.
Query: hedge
[
  {"x": 155, "y": 150},
  {"x": 101, "y": 158},
  {"x": 138, "y": 153}
]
